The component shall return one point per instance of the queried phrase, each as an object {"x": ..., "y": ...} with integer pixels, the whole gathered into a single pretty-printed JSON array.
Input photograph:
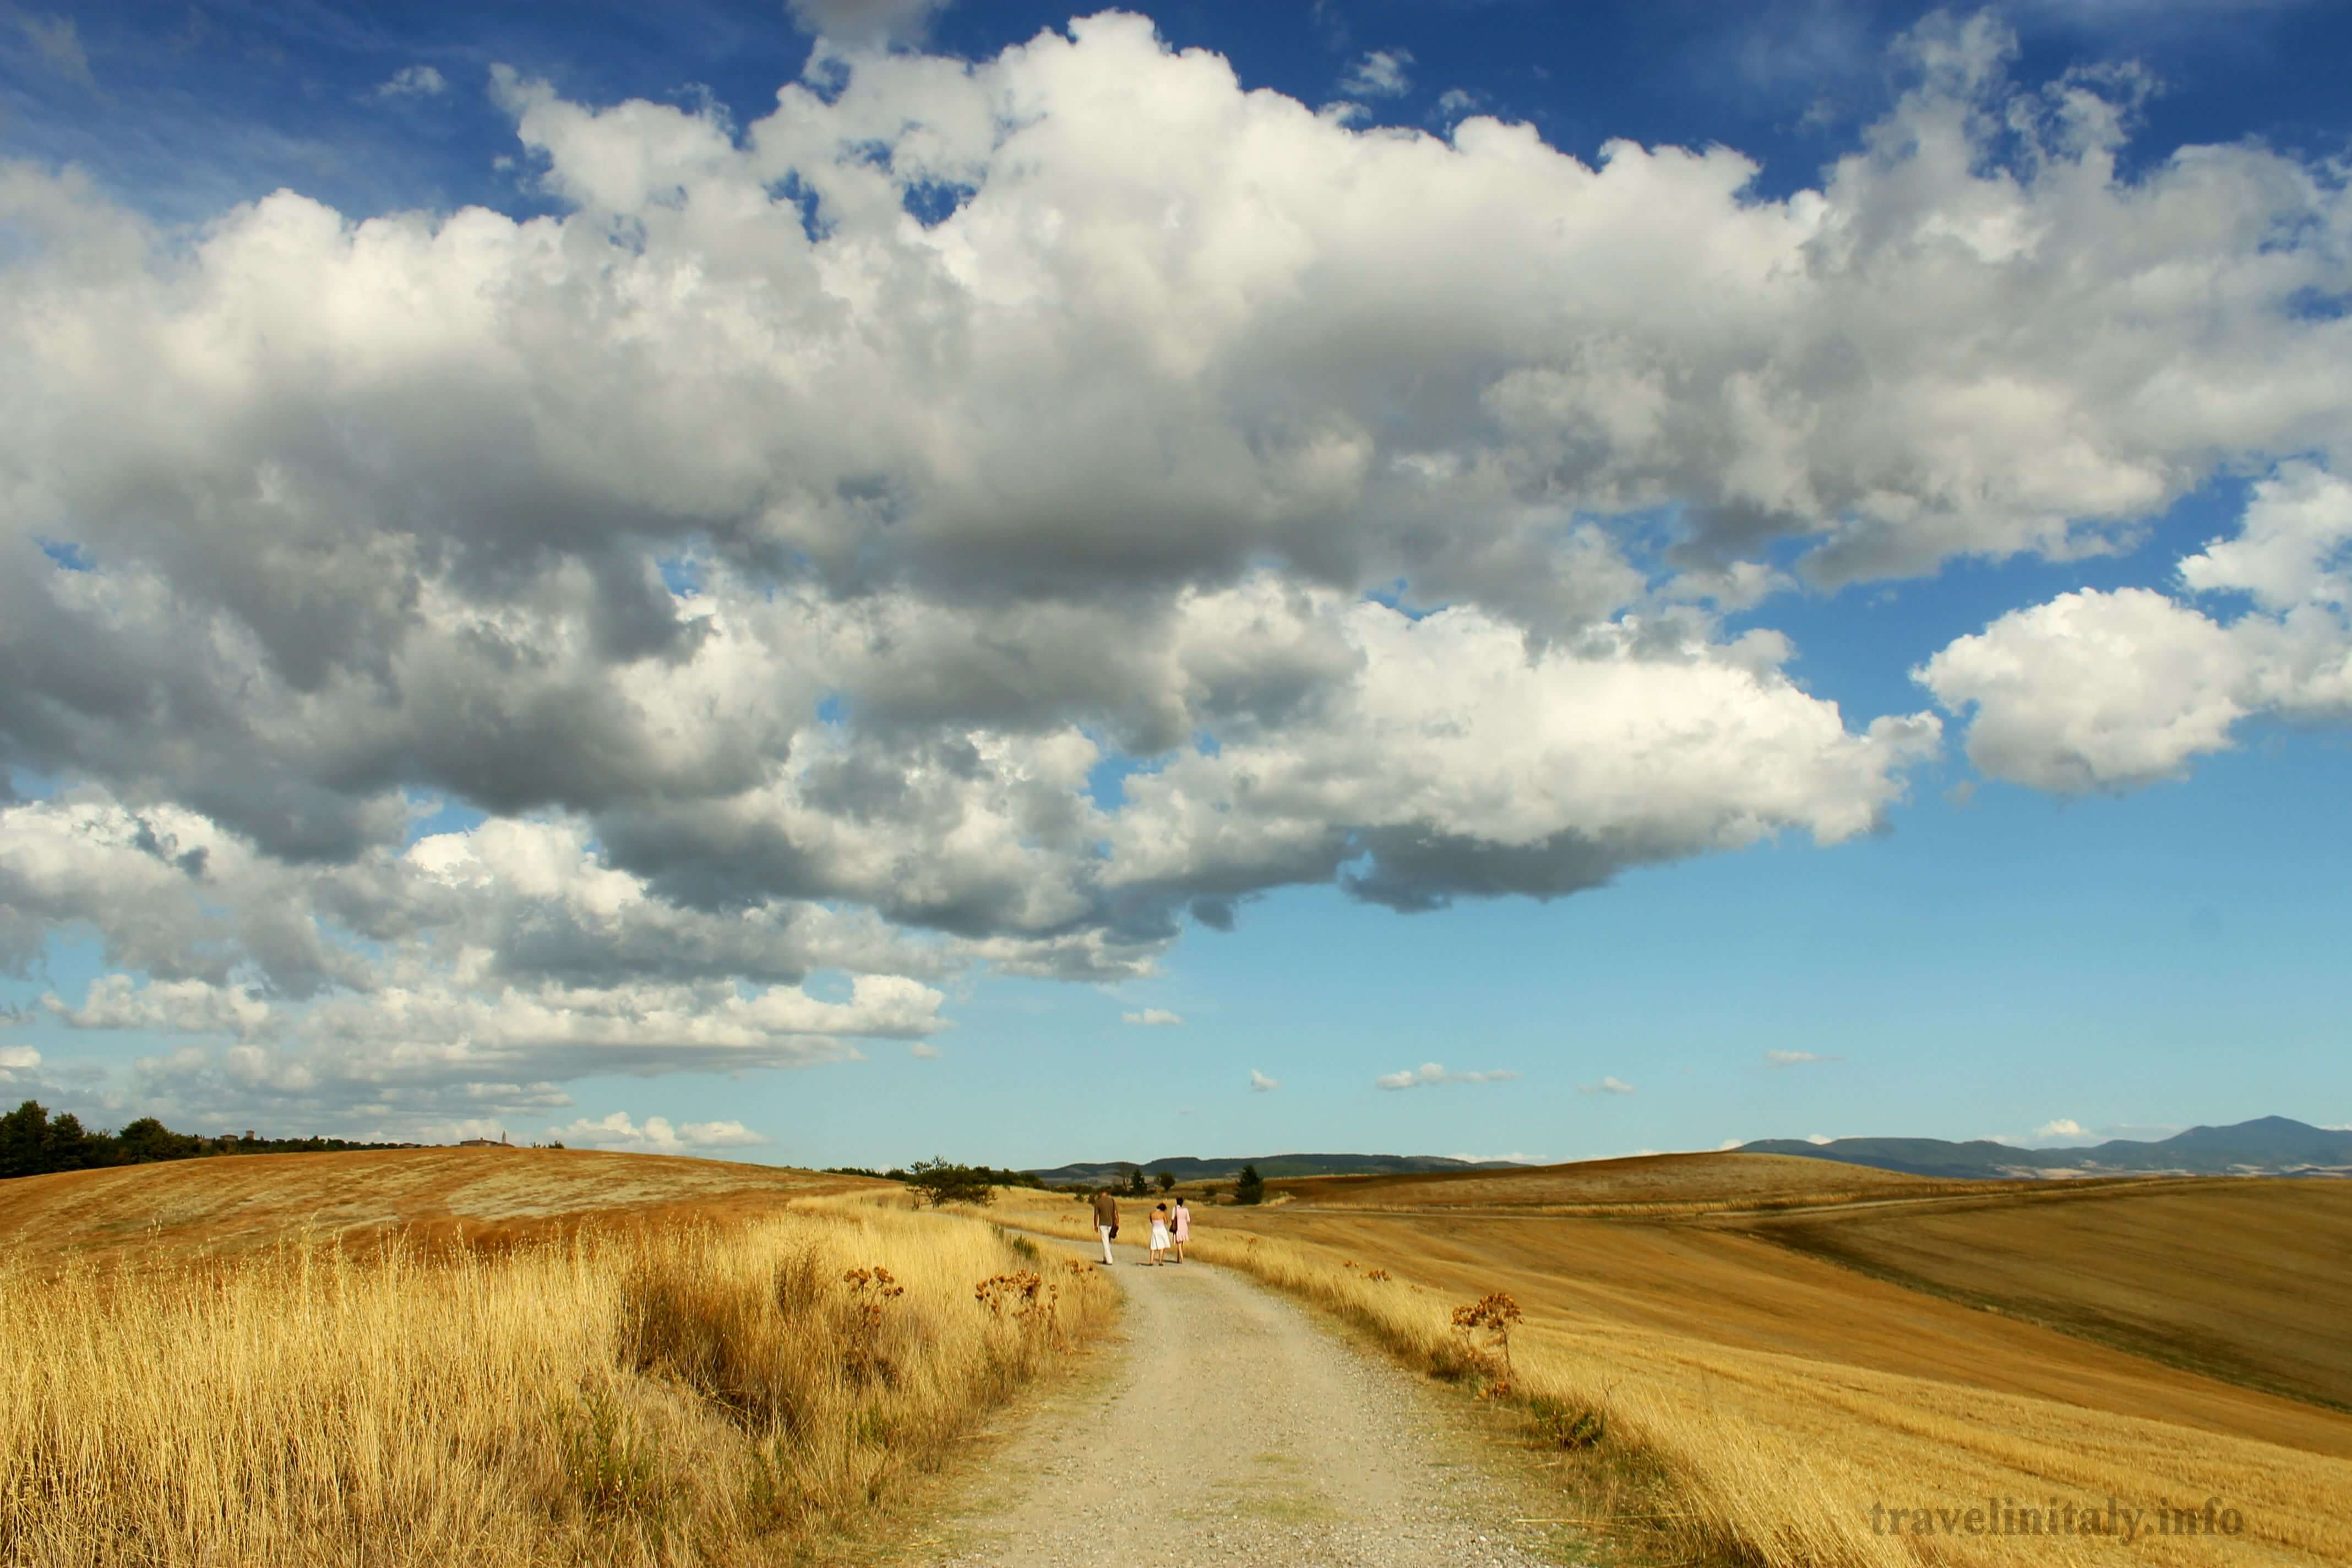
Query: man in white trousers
[{"x": 1106, "y": 1219}]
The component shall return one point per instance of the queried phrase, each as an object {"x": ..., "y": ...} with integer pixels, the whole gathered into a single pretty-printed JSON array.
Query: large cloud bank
[{"x": 785, "y": 544}]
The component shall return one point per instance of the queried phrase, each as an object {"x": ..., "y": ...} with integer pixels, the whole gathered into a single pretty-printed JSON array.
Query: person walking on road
[
  {"x": 1159, "y": 1234},
  {"x": 1106, "y": 1220},
  {"x": 1180, "y": 1228}
]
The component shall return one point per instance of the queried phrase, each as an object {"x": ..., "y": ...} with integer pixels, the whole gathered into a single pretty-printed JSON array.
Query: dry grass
[
  {"x": 481, "y": 1196},
  {"x": 715, "y": 1391},
  {"x": 1755, "y": 1404}
]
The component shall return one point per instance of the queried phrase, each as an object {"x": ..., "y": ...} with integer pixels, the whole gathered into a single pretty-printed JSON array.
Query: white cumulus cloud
[
  {"x": 1152, "y": 1018},
  {"x": 1378, "y": 73},
  {"x": 1434, "y": 1073},
  {"x": 866, "y": 22},
  {"x": 2115, "y": 690},
  {"x": 1260, "y": 1083},
  {"x": 654, "y": 1135},
  {"x": 414, "y": 82},
  {"x": 1606, "y": 1086},
  {"x": 1796, "y": 1058}
]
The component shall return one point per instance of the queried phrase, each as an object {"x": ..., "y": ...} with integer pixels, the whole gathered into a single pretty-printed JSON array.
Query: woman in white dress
[{"x": 1159, "y": 1234}]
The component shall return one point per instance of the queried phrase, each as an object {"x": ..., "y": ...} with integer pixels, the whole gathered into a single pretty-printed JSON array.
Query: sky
[{"x": 857, "y": 580}]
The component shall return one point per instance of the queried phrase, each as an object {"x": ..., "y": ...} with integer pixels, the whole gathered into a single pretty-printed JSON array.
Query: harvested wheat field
[
  {"x": 2248, "y": 1281},
  {"x": 233, "y": 1202},
  {"x": 1789, "y": 1403},
  {"x": 1659, "y": 1184},
  {"x": 683, "y": 1376}
]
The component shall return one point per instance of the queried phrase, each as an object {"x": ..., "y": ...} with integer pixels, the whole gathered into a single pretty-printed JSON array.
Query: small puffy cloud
[
  {"x": 655, "y": 1135},
  {"x": 1152, "y": 1019},
  {"x": 1796, "y": 1058},
  {"x": 1819, "y": 1138},
  {"x": 1381, "y": 73},
  {"x": 1455, "y": 102},
  {"x": 58, "y": 43},
  {"x": 924, "y": 1051},
  {"x": 1606, "y": 1086},
  {"x": 1260, "y": 1083},
  {"x": 15, "y": 1059},
  {"x": 869, "y": 22},
  {"x": 414, "y": 82},
  {"x": 2062, "y": 1127},
  {"x": 1434, "y": 1073}
]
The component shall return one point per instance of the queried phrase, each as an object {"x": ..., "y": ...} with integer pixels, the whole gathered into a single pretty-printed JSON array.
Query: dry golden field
[
  {"x": 233, "y": 1203},
  {"x": 724, "y": 1386},
  {"x": 2248, "y": 1281},
  {"x": 1784, "y": 1397},
  {"x": 1666, "y": 1185}
]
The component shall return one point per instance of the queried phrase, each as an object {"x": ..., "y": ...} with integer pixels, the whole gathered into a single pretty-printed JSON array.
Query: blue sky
[{"x": 1345, "y": 558}]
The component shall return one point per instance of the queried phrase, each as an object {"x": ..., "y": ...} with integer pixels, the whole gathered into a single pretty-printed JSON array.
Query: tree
[
  {"x": 23, "y": 1139},
  {"x": 1137, "y": 1185},
  {"x": 1166, "y": 1181},
  {"x": 73, "y": 1148},
  {"x": 1249, "y": 1187},
  {"x": 937, "y": 1182},
  {"x": 148, "y": 1139}
]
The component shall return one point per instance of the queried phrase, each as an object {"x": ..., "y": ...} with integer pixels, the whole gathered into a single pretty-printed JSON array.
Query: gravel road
[{"x": 1235, "y": 1429}]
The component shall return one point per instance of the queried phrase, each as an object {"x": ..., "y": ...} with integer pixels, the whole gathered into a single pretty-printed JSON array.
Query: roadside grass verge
[
  {"x": 706, "y": 1393},
  {"x": 1685, "y": 1450}
]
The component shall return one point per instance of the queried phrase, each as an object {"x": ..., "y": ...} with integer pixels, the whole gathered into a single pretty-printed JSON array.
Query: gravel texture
[{"x": 1236, "y": 1429}]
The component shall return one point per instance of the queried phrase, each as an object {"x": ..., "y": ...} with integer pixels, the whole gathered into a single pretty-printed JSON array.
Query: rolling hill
[
  {"x": 1801, "y": 1340},
  {"x": 229, "y": 1204}
]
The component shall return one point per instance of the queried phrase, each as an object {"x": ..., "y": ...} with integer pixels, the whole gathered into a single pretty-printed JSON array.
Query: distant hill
[
  {"x": 2268, "y": 1145},
  {"x": 1273, "y": 1167}
]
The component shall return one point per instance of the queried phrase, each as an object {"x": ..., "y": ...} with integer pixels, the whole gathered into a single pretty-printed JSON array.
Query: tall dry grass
[
  {"x": 706, "y": 1394},
  {"x": 1725, "y": 1454}
]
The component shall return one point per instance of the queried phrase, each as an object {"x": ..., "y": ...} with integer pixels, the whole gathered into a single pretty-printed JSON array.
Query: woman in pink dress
[{"x": 1180, "y": 1228}]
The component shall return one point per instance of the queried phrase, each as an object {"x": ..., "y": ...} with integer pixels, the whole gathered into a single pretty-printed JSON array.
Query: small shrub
[
  {"x": 870, "y": 1292},
  {"x": 1249, "y": 1187},
  {"x": 612, "y": 1466},
  {"x": 1568, "y": 1426},
  {"x": 1486, "y": 1328}
]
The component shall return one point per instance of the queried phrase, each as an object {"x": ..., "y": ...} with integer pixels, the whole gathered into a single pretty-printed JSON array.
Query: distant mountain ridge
[
  {"x": 2268, "y": 1145},
  {"x": 1185, "y": 1168}
]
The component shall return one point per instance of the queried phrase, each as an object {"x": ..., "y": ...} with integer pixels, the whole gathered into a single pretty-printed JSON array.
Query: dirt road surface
[{"x": 1236, "y": 1429}]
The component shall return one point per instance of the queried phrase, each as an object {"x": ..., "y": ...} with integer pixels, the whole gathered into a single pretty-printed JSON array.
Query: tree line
[
  {"x": 941, "y": 1181},
  {"x": 33, "y": 1143}
]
